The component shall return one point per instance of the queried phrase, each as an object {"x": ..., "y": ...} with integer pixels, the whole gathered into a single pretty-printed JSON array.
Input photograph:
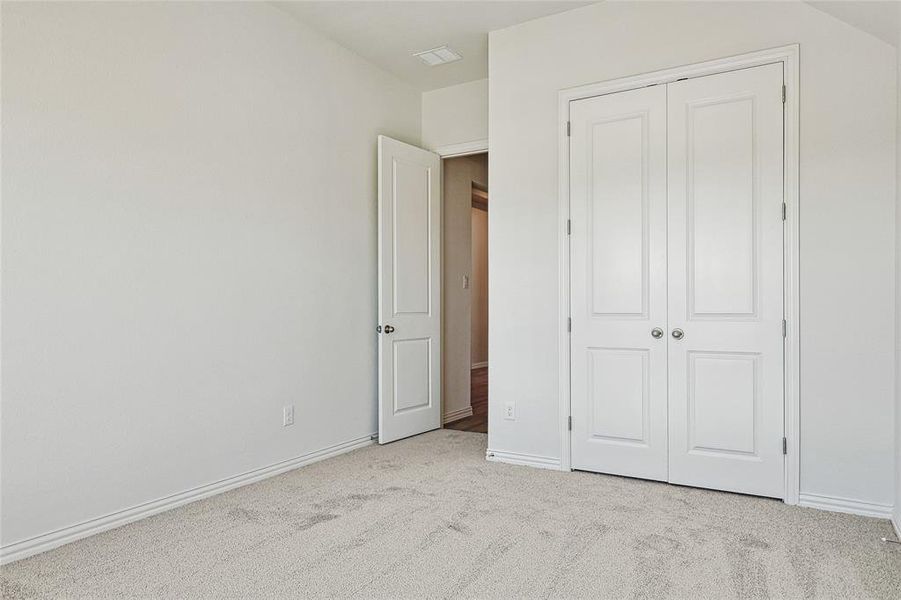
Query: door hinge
[
  {"x": 784, "y": 211},
  {"x": 569, "y": 324},
  {"x": 569, "y": 423},
  {"x": 784, "y": 91},
  {"x": 569, "y": 227},
  {"x": 784, "y": 446},
  {"x": 784, "y": 328},
  {"x": 568, "y": 128}
]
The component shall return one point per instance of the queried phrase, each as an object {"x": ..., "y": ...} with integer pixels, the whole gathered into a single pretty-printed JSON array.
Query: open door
[{"x": 409, "y": 290}]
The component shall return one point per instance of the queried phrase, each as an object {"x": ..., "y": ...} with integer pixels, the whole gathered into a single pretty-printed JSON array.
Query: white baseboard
[
  {"x": 54, "y": 539},
  {"x": 846, "y": 505},
  {"x": 528, "y": 460},
  {"x": 456, "y": 415},
  {"x": 897, "y": 525},
  {"x": 480, "y": 365}
]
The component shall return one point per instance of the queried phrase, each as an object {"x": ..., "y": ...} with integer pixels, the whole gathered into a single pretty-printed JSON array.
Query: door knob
[
  {"x": 656, "y": 333},
  {"x": 678, "y": 334},
  {"x": 390, "y": 329}
]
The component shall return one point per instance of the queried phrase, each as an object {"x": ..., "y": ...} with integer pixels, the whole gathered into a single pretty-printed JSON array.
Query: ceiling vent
[{"x": 438, "y": 56}]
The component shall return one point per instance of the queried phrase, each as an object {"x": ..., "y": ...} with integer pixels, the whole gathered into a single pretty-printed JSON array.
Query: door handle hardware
[
  {"x": 389, "y": 329},
  {"x": 656, "y": 333},
  {"x": 678, "y": 334}
]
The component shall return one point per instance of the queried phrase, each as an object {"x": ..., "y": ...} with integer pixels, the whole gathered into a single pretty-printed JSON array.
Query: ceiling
[
  {"x": 881, "y": 18},
  {"x": 387, "y": 33}
]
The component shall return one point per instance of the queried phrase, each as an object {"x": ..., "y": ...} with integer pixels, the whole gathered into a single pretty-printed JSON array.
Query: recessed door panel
[
  {"x": 618, "y": 264},
  {"x": 412, "y": 375},
  {"x": 723, "y": 403},
  {"x": 725, "y": 191},
  {"x": 410, "y": 214},
  {"x": 722, "y": 209},
  {"x": 618, "y": 395},
  {"x": 618, "y": 253}
]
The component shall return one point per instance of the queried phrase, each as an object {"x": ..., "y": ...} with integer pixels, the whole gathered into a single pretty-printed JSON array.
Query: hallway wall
[{"x": 479, "y": 287}]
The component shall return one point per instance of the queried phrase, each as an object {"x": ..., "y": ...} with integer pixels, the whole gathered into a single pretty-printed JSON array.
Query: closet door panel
[
  {"x": 618, "y": 270},
  {"x": 725, "y": 239}
]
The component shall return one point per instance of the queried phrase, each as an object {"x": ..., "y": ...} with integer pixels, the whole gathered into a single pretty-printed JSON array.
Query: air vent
[{"x": 438, "y": 56}]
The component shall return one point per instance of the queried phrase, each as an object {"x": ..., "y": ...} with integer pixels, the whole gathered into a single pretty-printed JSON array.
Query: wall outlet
[
  {"x": 510, "y": 411},
  {"x": 466, "y": 282},
  {"x": 288, "y": 415}
]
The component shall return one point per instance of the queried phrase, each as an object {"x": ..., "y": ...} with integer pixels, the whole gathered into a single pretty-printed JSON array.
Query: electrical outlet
[
  {"x": 288, "y": 415},
  {"x": 510, "y": 411},
  {"x": 466, "y": 282}
]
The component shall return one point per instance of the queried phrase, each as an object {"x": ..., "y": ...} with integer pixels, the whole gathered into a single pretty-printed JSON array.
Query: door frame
[
  {"x": 444, "y": 152},
  {"x": 789, "y": 57},
  {"x": 462, "y": 149}
]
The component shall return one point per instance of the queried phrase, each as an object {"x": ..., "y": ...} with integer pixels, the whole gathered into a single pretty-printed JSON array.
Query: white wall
[
  {"x": 897, "y": 514},
  {"x": 847, "y": 215},
  {"x": 455, "y": 114},
  {"x": 458, "y": 175},
  {"x": 189, "y": 240}
]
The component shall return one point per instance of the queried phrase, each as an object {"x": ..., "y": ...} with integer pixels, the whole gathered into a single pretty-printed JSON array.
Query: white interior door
[
  {"x": 725, "y": 193},
  {"x": 618, "y": 262},
  {"x": 409, "y": 214}
]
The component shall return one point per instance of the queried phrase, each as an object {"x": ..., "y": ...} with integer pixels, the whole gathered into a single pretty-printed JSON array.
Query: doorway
[
  {"x": 465, "y": 293},
  {"x": 677, "y": 344}
]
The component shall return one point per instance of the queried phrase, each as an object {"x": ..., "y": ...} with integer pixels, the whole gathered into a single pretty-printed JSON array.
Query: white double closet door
[{"x": 676, "y": 200}]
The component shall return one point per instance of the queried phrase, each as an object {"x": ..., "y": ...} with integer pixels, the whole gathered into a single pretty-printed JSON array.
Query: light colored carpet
[{"x": 429, "y": 517}]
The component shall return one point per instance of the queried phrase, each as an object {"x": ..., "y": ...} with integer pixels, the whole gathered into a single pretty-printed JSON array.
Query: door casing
[{"x": 789, "y": 57}]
